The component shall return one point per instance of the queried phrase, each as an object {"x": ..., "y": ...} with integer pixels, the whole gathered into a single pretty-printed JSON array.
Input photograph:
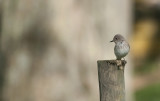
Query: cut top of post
[{"x": 119, "y": 63}]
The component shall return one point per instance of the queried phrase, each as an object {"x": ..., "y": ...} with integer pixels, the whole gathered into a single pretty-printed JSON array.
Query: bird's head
[{"x": 118, "y": 38}]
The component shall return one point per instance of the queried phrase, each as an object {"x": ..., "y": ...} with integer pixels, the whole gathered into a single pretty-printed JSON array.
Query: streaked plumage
[{"x": 122, "y": 47}]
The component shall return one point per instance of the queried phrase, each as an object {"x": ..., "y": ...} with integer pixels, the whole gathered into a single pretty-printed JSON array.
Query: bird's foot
[{"x": 121, "y": 64}]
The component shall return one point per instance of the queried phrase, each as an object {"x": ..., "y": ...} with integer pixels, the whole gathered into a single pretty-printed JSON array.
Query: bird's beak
[{"x": 111, "y": 41}]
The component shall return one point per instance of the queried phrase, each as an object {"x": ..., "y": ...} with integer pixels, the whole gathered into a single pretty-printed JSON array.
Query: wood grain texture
[{"x": 111, "y": 80}]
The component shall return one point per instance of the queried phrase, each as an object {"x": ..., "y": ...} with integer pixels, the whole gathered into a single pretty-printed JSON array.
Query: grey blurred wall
[{"x": 49, "y": 48}]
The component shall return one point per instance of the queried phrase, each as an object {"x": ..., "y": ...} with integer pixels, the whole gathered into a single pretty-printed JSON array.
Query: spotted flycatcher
[{"x": 121, "y": 48}]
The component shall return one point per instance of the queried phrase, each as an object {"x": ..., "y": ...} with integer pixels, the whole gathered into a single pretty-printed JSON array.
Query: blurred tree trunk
[{"x": 50, "y": 47}]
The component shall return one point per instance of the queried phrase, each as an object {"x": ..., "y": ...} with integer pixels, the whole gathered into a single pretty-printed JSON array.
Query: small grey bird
[{"x": 122, "y": 47}]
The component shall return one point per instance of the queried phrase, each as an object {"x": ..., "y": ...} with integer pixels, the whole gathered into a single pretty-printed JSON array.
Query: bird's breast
[{"x": 121, "y": 49}]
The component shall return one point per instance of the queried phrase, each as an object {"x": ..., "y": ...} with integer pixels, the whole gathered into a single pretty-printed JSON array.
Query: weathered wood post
[{"x": 111, "y": 80}]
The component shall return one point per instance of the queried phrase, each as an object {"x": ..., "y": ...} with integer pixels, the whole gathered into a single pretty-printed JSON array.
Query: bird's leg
[
  {"x": 119, "y": 64},
  {"x": 124, "y": 59}
]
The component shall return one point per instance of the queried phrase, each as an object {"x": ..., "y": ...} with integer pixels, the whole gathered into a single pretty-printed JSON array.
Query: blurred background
[
  {"x": 49, "y": 48},
  {"x": 145, "y": 50}
]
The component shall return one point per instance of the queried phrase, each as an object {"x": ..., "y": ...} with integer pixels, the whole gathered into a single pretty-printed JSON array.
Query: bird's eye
[{"x": 116, "y": 38}]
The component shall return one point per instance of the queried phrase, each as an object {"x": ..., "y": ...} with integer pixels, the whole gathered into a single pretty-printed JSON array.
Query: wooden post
[{"x": 111, "y": 80}]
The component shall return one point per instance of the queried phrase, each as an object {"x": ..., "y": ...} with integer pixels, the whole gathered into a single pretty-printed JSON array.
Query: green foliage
[{"x": 150, "y": 93}]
